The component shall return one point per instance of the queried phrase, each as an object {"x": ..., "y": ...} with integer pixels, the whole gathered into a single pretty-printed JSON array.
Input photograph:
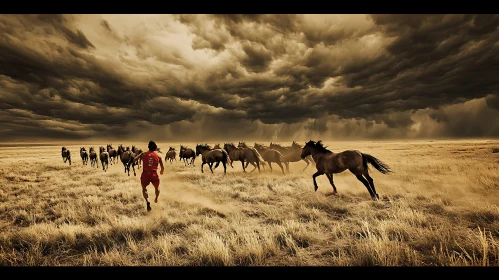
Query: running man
[{"x": 150, "y": 161}]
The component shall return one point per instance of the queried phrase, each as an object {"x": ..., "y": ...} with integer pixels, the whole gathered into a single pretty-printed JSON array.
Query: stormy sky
[{"x": 238, "y": 77}]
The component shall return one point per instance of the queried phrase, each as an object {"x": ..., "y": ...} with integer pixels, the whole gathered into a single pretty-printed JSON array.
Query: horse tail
[
  {"x": 378, "y": 164},
  {"x": 280, "y": 155},
  {"x": 226, "y": 157},
  {"x": 258, "y": 156}
]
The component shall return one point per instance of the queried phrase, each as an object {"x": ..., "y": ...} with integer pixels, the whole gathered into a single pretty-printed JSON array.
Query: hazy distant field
[{"x": 440, "y": 207}]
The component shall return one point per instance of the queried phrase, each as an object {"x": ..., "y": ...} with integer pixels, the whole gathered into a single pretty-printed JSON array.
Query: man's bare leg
[
  {"x": 144, "y": 193},
  {"x": 157, "y": 194}
]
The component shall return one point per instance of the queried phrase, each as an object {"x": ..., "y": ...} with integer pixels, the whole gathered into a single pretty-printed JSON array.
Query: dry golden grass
[{"x": 439, "y": 208}]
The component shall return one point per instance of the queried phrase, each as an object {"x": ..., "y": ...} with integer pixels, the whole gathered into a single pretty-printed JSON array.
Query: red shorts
[{"x": 149, "y": 177}]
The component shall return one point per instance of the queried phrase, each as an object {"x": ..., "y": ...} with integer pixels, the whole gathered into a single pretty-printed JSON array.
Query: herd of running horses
[{"x": 326, "y": 161}]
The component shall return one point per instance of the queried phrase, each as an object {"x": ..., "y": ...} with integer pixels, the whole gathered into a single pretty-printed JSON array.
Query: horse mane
[
  {"x": 261, "y": 145},
  {"x": 319, "y": 146},
  {"x": 277, "y": 144},
  {"x": 206, "y": 146},
  {"x": 230, "y": 144},
  {"x": 296, "y": 144}
]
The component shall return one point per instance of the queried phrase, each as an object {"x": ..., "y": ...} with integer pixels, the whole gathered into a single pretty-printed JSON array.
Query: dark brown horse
[
  {"x": 261, "y": 161},
  {"x": 291, "y": 154},
  {"x": 66, "y": 155},
  {"x": 270, "y": 155},
  {"x": 104, "y": 158},
  {"x": 84, "y": 155},
  {"x": 171, "y": 155},
  {"x": 328, "y": 162},
  {"x": 187, "y": 153},
  {"x": 93, "y": 157},
  {"x": 126, "y": 157},
  {"x": 137, "y": 151},
  {"x": 113, "y": 154},
  {"x": 243, "y": 154},
  {"x": 210, "y": 156}
]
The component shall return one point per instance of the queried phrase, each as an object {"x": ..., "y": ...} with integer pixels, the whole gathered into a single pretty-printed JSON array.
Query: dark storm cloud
[
  {"x": 59, "y": 22},
  {"x": 254, "y": 75},
  {"x": 257, "y": 58}
]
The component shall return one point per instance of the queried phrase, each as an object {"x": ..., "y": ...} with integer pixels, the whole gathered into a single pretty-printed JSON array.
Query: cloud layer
[{"x": 271, "y": 77}]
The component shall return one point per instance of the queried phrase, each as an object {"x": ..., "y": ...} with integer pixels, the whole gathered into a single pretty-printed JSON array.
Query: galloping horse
[
  {"x": 186, "y": 153},
  {"x": 210, "y": 155},
  {"x": 126, "y": 157},
  {"x": 291, "y": 154},
  {"x": 66, "y": 155},
  {"x": 260, "y": 160},
  {"x": 242, "y": 154},
  {"x": 93, "y": 157},
  {"x": 328, "y": 162},
  {"x": 171, "y": 155},
  {"x": 84, "y": 155},
  {"x": 270, "y": 155},
  {"x": 113, "y": 154},
  {"x": 137, "y": 151},
  {"x": 104, "y": 158}
]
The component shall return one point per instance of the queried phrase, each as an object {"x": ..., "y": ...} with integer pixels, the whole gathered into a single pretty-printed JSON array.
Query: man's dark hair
[{"x": 152, "y": 146}]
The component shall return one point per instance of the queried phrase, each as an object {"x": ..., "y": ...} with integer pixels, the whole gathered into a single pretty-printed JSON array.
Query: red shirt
[{"x": 150, "y": 161}]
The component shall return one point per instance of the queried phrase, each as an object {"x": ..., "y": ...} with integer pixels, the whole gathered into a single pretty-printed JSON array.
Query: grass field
[{"x": 440, "y": 207}]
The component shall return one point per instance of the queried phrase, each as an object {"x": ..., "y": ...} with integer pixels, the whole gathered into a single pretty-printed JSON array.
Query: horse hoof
[{"x": 316, "y": 187}]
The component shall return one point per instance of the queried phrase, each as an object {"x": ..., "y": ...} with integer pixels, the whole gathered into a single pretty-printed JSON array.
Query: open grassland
[{"x": 440, "y": 207}]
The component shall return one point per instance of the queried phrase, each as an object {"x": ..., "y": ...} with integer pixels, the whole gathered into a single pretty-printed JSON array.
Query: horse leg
[
  {"x": 133, "y": 166},
  {"x": 225, "y": 167},
  {"x": 287, "y": 166},
  {"x": 371, "y": 182},
  {"x": 282, "y": 168},
  {"x": 252, "y": 163},
  {"x": 202, "y": 164},
  {"x": 330, "y": 177},
  {"x": 210, "y": 165},
  {"x": 358, "y": 174},
  {"x": 318, "y": 173},
  {"x": 270, "y": 166},
  {"x": 242, "y": 163},
  {"x": 216, "y": 165},
  {"x": 308, "y": 163}
]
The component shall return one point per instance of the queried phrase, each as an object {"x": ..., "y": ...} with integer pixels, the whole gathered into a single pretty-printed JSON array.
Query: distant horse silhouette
[
  {"x": 93, "y": 157},
  {"x": 210, "y": 156},
  {"x": 113, "y": 154},
  {"x": 328, "y": 162},
  {"x": 104, "y": 158},
  {"x": 84, "y": 155},
  {"x": 243, "y": 155},
  {"x": 137, "y": 151},
  {"x": 126, "y": 157},
  {"x": 259, "y": 161},
  {"x": 187, "y": 153},
  {"x": 270, "y": 155},
  {"x": 291, "y": 154},
  {"x": 171, "y": 155},
  {"x": 66, "y": 155},
  {"x": 217, "y": 146}
]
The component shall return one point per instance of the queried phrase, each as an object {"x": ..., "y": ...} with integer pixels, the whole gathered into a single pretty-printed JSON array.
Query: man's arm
[
  {"x": 162, "y": 167},
  {"x": 135, "y": 159}
]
